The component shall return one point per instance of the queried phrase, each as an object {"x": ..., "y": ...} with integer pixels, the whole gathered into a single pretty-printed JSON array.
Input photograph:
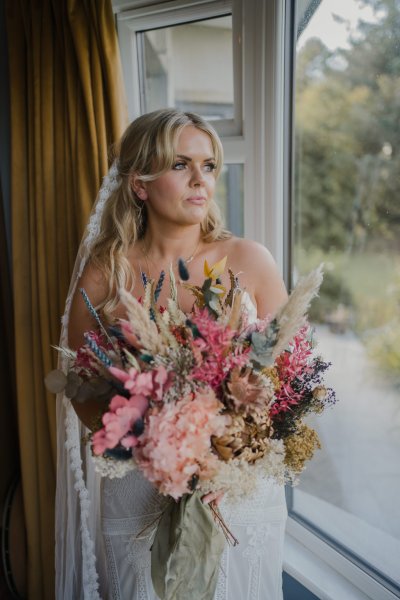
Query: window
[
  {"x": 187, "y": 55},
  {"x": 163, "y": 45},
  {"x": 189, "y": 66},
  {"x": 229, "y": 197},
  {"x": 345, "y": 212},
  {"x": 340, "y": 206}
]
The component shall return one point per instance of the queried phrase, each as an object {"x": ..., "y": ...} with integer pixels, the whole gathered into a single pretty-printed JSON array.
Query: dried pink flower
[
  {"x": 118, "y": 421},
  {"x": 176, "y": 443},
  {"x": 214, "y": 352},
  {"x": 152, "y": 383},
  {"x": 292, "y": 365},
  {"x": 249, "y": 391}
]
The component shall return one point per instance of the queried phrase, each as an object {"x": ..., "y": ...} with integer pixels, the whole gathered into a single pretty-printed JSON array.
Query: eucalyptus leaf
[
  {"x": 84, "y": 393},
  {"x": 263, "y": 343},
  {"x": 186, "y": 552},
  {"x": 208, "y": 296},
  {"x": 96, "y": 388},
  {"x": 206, "y": 285},
  {"x": 55, "y": 381},
  {"x": 74, "y": 382},
  {"x": 100, "y": 386},
  {"x": 214, "y": 304}
]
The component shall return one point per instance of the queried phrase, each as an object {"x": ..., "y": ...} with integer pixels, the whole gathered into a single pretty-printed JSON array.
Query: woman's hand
[{"x": 215, "y": 497}]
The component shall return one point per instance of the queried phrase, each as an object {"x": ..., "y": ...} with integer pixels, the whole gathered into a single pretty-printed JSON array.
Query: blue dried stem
[
  {"x": 95, "y": 315},
  {"x": 159, "y": 286},
  {"x": 144, "y": 278},
  {"x": 102, "y": 356}
]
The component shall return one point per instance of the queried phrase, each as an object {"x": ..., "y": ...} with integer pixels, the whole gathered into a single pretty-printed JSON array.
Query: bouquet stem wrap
[{"x": 186, "y": 551}]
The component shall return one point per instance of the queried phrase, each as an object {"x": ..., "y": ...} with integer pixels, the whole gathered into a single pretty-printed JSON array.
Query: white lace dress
[{"x": 251, "y": 570}]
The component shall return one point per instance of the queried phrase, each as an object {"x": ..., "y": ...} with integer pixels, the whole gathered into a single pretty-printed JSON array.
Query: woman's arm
[{"x": 80, "y": 320}]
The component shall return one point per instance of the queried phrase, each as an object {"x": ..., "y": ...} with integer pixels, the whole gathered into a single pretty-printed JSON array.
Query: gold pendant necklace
[{"x": 187, "y": 260}]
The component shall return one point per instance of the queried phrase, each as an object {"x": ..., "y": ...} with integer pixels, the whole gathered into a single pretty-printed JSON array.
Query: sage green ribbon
[{"x": 186, "y": 552}]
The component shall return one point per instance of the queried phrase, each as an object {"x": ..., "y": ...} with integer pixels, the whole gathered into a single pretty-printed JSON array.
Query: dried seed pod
[
  {"x": 55, "y": 381},
  {"x": 320, "y": 392}
]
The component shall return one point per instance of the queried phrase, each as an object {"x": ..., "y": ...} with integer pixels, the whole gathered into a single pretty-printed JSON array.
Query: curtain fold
[{"x": 67, "y": 107}]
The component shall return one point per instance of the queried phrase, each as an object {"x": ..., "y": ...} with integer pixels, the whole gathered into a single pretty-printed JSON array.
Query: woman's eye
[
  {"x": 210, "y": 167},
  {"x": 179, "y": 165}
]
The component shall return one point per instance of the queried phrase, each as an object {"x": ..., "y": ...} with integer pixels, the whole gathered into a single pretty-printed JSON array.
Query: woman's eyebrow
[{"x": 189, "y": 159}]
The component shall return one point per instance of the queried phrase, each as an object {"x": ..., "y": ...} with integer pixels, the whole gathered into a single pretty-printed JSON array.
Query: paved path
[{"x": 358, "y": 468}]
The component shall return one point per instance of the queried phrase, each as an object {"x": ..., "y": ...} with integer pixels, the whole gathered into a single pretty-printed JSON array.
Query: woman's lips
[{"x": 197, "y": 200}]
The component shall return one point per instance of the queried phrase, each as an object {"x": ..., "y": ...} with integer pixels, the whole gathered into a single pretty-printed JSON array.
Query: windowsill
[
  {"x": 324, "y": 571},
  {"x": 376, "y": 547}
]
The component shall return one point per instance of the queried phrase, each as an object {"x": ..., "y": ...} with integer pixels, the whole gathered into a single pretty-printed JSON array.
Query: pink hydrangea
[
  {"x": 123, "y": 412},
  {"x": 176, "y": 443}
]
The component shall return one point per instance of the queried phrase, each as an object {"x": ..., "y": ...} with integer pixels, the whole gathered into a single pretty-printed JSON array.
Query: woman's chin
[{"x": 197, "y": 214}]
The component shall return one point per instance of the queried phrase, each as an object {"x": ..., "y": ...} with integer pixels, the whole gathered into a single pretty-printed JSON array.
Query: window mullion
[{"x": 263, "y": 122}]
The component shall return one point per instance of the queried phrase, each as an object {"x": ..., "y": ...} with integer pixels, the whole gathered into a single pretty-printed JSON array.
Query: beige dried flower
[
  {"x": 249, "y": 391},
  {"x": 320, "y": 393},
  {"x": 300, "y": 447},
  {"x": 272, "y": 374},
  {"x": 246, "y": 438}
]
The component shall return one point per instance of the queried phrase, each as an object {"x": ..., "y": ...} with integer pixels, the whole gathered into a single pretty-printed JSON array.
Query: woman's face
[{"x": 182, "y": 195}]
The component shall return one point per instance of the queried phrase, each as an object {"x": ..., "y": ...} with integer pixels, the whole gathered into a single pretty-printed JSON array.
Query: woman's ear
[{"x": 138, "y": 186}]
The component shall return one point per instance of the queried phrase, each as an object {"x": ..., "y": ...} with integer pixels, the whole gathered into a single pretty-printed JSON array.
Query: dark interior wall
[
  {"x": 5, "y": 130},
  {"x": 9, "y": 461}
]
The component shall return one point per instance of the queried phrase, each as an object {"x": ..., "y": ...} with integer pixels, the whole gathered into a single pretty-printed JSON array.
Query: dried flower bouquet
[{"x": 200, "y": 402}]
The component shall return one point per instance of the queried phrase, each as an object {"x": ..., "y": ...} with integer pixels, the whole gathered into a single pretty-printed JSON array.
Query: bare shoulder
[
  {"x": 80, "y": 320},
  {"x": 94, "y": 284},
  {"x": 259, "y": 274},
  {"x": 249, "y": 256}
]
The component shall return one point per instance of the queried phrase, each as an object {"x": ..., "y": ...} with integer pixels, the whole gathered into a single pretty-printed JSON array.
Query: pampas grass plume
[
  {"x": 141, "y": 323},
  {"x": 292, "y": 316}
]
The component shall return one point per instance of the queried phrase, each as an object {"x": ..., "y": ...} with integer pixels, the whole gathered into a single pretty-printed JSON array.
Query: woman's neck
[{"x": 168, "y": 245}]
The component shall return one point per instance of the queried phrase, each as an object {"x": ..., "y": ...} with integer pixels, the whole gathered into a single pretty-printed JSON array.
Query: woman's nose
[{"x": 197, "y": 176}]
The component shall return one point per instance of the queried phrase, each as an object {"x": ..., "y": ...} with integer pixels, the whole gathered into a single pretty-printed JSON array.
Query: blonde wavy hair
[{"x": 148, "y": 149}]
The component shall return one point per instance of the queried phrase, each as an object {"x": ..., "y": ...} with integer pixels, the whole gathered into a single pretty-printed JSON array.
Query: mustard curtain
[{"x": 67, "y": 107}]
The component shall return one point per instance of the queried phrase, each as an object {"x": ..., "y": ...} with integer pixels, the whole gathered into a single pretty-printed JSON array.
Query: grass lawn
[{"x": 370, "y": 283}]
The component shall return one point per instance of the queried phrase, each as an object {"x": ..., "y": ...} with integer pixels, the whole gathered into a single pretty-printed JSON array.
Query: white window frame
[
  {"x": 260, "y": 36},
  {"x": 165, "y": 14}
]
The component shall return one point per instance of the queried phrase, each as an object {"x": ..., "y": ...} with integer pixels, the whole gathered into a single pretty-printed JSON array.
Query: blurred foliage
[
  {"x": 384, "y": 345},
  {"x": 384, "y": 349},
  {"x": 348, "y": 138},
  {"x": 362, "y": 293},
  {"x": 347, "y": 180},
  {"x": 334, "y": 305}
]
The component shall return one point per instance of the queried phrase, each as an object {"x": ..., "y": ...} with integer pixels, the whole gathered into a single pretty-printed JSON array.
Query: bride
[{"x": 155, "y": 206}]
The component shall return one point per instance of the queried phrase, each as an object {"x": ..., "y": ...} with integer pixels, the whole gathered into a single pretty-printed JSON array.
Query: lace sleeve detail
[
  {"x": 110, "y": 183},
  {"x": 78, "y": 574}
]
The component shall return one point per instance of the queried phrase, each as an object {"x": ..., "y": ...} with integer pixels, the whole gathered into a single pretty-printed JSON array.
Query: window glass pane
[
  {"x": 347, "y": 214},
  {"x": 190, "y": 67},
  {"x": 229, "y": 197}
]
